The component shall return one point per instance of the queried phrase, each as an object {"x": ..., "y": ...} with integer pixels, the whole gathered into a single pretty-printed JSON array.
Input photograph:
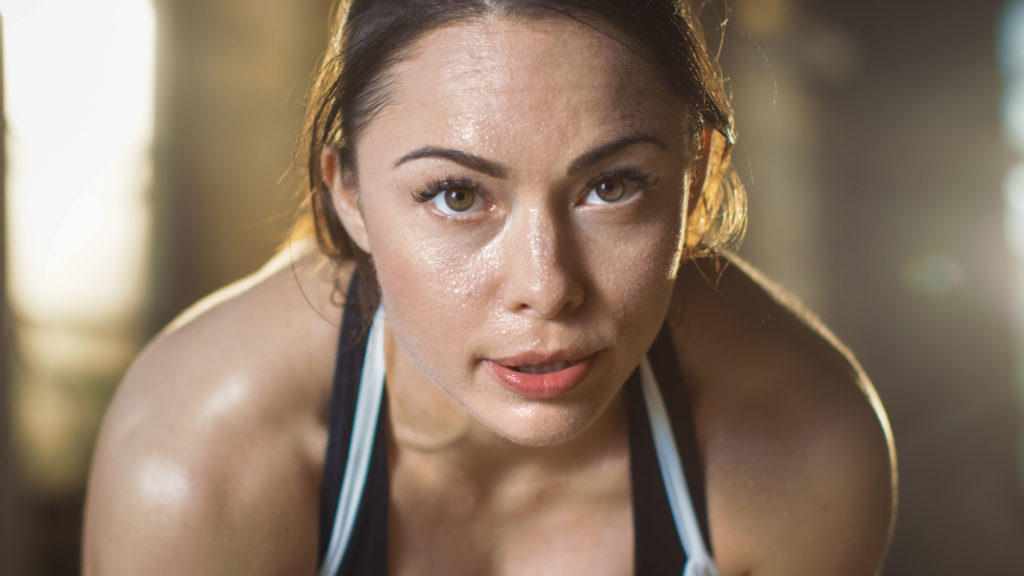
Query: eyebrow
[
  {"x": 496, "y": 170},
  {"x": 470, "y": 161},
  {"x": 607, "y": 149}
]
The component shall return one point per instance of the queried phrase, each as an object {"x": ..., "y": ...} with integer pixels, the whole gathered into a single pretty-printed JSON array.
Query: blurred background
[{"x": 147, "y": 144}]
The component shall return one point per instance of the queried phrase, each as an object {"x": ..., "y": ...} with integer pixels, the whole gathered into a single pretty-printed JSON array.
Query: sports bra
[{"x": 669, "y": 512}]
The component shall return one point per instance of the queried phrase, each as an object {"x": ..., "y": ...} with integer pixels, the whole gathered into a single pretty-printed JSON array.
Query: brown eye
[
  {"x": 610, "y": 190},
  {"x": 459, "y": 199},
  {"x": 454, "y": 197}
]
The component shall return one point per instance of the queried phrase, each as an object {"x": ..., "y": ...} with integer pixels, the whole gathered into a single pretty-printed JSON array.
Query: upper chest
[{"x": 564, "y": 526}]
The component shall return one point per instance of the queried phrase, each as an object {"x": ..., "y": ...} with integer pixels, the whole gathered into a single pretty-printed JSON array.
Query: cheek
[
  {"x": 425, "y": 273},
  {"x": 635, "y": 267},
  {"x": 434, "y": 293}
]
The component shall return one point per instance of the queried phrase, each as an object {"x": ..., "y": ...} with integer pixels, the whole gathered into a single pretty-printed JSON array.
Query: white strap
[
  {"x": 371, "y": 390},
  {"x": 699, "y": 561}
]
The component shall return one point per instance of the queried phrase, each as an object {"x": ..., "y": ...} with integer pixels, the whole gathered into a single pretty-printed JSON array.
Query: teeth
[{"x": 543, "y": 368}]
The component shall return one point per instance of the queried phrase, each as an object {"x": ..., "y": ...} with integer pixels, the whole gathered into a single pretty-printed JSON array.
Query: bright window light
[{"x": 79, "y": 100}]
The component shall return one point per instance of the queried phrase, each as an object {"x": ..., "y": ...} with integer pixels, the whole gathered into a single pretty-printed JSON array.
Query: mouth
[{"x": 538, "y": 377}]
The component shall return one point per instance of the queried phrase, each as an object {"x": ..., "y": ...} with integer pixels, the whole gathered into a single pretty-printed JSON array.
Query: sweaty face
[{"x": 522, "y": 198}]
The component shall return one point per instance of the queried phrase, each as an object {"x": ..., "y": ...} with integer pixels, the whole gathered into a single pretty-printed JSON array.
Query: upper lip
[{"x": 530, "y": 358}]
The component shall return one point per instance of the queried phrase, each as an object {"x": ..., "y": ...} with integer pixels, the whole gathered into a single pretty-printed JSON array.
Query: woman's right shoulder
[{"x": 210, "y": 455}]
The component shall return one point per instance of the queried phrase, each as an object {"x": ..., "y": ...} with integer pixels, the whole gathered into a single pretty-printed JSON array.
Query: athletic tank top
[{"x": 669, "y": 511}]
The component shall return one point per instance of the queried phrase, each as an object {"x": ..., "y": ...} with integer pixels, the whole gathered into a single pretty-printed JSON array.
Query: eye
[
  {"x": 617, "y": 186},
  {"x": 456, "y": 200},
  {"x": 453, "y": 196},
  {"x": 607, "y": 191}
]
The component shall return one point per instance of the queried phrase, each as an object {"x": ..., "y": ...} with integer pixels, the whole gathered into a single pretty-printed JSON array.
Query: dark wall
[
  {"x": 232, "y": 81},
  {"x": 893, "y": 108},
  {"x": 8, "y": 487}
]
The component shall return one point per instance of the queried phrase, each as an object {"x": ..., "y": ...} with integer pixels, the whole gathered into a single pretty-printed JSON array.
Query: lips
[{"x": 539, "y": 376}]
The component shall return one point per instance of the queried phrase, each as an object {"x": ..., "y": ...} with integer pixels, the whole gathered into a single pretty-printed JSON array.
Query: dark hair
[{"x": 369, "y": 36}]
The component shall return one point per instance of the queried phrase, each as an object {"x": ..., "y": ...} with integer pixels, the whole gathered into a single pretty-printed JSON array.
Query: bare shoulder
[
  {"x": 797, "y": 449},
  {"x": 210, "y": 454}
]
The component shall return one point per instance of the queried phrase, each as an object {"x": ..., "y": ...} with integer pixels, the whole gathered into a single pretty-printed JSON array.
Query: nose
[{"x": 542, "y": 275}]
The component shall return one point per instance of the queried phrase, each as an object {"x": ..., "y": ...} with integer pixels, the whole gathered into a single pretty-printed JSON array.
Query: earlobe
[{"x": 344, "y": 196}]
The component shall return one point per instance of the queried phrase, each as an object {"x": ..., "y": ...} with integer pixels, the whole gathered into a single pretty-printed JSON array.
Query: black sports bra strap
[
  {"x": 366, "y": 554},
  {"x": 664, "y": 362},
  {"x": 657, "y": 549}
]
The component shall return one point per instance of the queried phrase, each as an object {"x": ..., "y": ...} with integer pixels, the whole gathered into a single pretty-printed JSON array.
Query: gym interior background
[{"x": 882, "y": 143}]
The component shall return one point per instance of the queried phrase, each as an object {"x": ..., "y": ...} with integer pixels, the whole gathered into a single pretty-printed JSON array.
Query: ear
[
  {"x": 699, "y": 170},
  {"x": 344, "y": 196}
]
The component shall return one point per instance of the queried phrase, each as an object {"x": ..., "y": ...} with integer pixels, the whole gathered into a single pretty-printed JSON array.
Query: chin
[{"x": 545, "y": 426}]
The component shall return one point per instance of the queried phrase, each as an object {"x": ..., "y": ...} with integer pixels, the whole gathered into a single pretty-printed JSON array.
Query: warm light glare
[{"x": 79, "y": 100}]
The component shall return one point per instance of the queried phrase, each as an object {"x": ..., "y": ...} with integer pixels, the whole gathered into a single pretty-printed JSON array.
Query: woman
[{"x": 530, "y": 195}]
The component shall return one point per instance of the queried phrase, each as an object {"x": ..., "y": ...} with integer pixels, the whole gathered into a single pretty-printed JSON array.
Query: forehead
[{"x": 506, "y": 85}]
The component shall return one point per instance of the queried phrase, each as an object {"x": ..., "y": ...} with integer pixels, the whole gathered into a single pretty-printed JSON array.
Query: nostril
[{"x": 548, "y": 294}]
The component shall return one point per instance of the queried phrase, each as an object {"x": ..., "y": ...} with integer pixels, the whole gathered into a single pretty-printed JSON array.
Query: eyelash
[{"x": 629, "y": 174}]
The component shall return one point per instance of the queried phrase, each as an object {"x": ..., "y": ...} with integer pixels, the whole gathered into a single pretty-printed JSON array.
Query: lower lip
[{"x": 541, "y": 386}]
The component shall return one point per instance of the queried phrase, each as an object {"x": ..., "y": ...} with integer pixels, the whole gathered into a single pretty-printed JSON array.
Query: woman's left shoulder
[{"x": 797, "y": 448}]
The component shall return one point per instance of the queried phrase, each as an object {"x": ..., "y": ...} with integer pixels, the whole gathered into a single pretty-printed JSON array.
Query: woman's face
[{"x": 522, "y": 197}]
